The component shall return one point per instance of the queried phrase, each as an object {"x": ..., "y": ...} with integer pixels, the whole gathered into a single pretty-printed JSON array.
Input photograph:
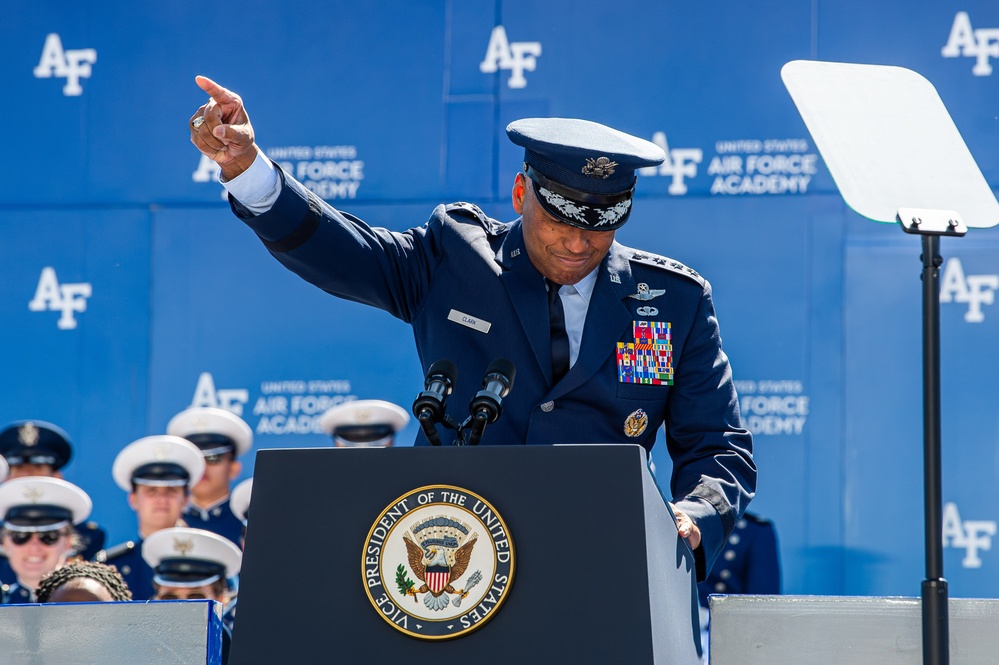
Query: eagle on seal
[{"x": 433, "y": 568}]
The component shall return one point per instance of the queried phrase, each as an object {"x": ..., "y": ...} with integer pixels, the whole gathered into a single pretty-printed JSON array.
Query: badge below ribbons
[{"x": 649, "y": 359}]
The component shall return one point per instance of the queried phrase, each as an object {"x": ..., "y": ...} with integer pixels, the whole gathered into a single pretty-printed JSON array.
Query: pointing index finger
[{"x": 215, "y": 91}]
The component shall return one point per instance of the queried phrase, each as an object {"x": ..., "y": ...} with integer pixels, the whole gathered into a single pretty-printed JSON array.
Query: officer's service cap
[
  {"x": 35, "y": 442},
  {"x": 183, "y": 557},
  {"x": 364, "y": 423},
  {"x": 583, "y": 172},
  {"x": 239, "y": 500},
  {"x": 214, "y": 431},
  {"x": 38, "y": 503},
  {"x": 160, "y": 460}
]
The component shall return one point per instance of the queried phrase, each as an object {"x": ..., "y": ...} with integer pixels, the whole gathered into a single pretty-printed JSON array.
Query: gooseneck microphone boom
[
  {"x": 487, "y": 405},
  {"x": 429, "y": 405}
]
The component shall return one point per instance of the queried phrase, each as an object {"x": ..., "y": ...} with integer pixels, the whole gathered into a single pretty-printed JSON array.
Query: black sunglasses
[
  {"x": 46, "y": 537},
  {"x": 172, "y": 596}
]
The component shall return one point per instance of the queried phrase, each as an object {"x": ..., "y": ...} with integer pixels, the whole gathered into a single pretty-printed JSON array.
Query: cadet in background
[
  {"x": 192, "y": 564},
  {"x": 749, "y": 564},
  {"x": 38, "y": 448},
  {"x": 223, "y": 438},
  {"x": 239, "y": 504},
  {"x": 364, "y": 423},
  {"x": 83, "y": 582},
  {"x": 157, "y": 472},
  {"x": 37, "y": 535}
]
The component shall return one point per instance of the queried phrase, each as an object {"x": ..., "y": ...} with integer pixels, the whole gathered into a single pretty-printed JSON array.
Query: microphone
[
  {"x": 429, "y": 405},
  {"x": 487, "y": 405}
]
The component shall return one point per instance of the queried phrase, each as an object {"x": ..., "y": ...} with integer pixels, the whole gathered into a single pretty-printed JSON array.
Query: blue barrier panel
[
  {"x": 152, "y": 633},
  {"x": 390, "y": 109}
]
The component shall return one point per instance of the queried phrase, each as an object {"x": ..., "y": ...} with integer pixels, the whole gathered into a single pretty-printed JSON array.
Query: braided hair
[{"x": 107, "y": 576}]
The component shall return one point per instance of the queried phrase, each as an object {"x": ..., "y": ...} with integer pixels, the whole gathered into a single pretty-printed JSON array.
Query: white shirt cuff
[{"x": 257, "y": 188}]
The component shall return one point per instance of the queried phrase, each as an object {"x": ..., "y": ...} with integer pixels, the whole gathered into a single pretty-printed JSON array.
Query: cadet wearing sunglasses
[
  {"x": 192, "y": 564},
  {"x": 38, "y": 448},
  {"x": 223, "y": 438},
  {"x": 37, "y": 534}
]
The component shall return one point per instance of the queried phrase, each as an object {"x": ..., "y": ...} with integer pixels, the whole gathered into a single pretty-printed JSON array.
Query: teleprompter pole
[{"x": 936, "y": 649}]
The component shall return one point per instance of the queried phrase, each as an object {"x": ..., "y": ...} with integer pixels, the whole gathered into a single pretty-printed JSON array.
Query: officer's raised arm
[{"x": 221, "y": 129}]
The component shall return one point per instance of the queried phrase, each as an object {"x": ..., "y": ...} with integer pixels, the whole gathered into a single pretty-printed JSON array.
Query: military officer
[
  {"x": 192, "y": 564},
  {"x": 38, "y": 517},
  {"x": 239, "y": 504},
  {"x": 157, "y": 472},
  {"x": 609, "y": 343},
  {"x": 364, "y": 423},
  {"x": 83, "y": 582},
  {"x": 37, "y": 448},
  {"x": 223, "y": 437},
  {"x": 749, "y": 562}
]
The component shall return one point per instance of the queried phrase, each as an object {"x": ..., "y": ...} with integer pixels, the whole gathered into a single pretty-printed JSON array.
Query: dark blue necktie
[{"x": 560, "y": 339}]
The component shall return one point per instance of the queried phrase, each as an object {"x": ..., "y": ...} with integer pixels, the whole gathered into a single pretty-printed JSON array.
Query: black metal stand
[
  {"x": 930, "y": 225},
  {"x": 936, "y": 649}
]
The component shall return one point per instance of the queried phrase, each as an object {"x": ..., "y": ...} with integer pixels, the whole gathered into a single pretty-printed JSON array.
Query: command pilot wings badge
[
  {"x": 645, "y": 293},
  {"x": 438, "y": 562}
]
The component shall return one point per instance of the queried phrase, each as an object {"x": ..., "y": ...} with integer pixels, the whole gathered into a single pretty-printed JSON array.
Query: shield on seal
[{"x": 437, "y": 578}]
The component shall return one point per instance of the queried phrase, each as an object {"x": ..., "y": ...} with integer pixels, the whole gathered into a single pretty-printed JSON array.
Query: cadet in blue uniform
[
  {"x": 364, "y": 423},
  {"x": 38, "y": 517},
  {"x": 157, "y": 472},
  {"x": 36, "y": 448},
  {"x": 240, "y": 507},
  {"x": 609, "y": 343},
  {"x": 749, "y": 564},
  {"x": 83, "y": 582},
  {"x": 223, "y": 437},
  {"x": 192, "y": 564}
]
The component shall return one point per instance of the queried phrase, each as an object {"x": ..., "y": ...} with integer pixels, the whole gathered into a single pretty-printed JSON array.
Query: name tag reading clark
[{"x": 469, "y": 321}]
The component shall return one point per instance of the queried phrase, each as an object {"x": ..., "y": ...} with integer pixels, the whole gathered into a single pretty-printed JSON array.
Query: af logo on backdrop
[
  {"x": 230, "y": 399},
  {"x": 438, "y": 562},
  {"x": 980, "y": 44},
  {"x": 517, "y": 57},
  {"x": 68, "y": 299},
  {"x": 70, "y": 64},
  {"x": 973, "y": 290},
  {"x": 680, "y": 163},
  {"x": 973, "y": 536}
]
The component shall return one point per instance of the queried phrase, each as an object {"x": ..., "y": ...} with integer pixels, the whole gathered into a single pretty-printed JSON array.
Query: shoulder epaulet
[
  {"x": 114, "y": 552},
  {"x": 475, "y": 212},
  {"x": 666, "y": 263}
]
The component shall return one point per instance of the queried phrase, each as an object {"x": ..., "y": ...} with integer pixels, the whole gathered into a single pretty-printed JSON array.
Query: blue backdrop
[{"x": 129, "y": 292}]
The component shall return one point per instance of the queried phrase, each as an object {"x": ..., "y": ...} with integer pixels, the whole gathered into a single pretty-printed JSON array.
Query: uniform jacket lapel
[
  {"x": 525, "y": 286},
  {"x": 607, "y": 319}
]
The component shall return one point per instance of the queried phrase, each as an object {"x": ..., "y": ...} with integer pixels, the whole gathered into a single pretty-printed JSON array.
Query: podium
[{"x": 597, "y": 574}]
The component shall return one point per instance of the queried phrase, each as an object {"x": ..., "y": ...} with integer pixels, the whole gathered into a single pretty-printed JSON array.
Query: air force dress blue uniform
[
  {"x": 38, "y": 442},
  {"x": 38, "y": 507},
  {"x": 215, "y": 432},
  {"x": 749, "y": 562},
  {"x": 466, "y": 284},
  {"x": 160, "y": 460}
]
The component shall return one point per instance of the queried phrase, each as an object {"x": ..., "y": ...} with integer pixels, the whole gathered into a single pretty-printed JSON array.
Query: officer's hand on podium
[
  {"x": 221, "y": 129},
  {"x": 687, "y": 529}
]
